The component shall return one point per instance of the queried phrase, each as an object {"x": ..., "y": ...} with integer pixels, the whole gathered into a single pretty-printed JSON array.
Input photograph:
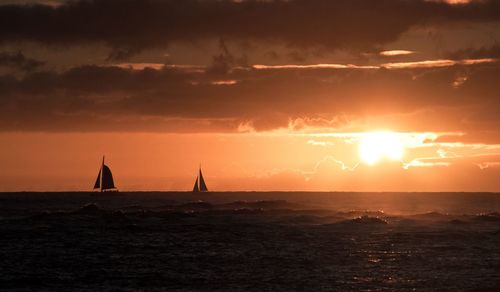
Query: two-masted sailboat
[
  {"x": 199, "y": 184},
  {"x": 104, "y": 181}
]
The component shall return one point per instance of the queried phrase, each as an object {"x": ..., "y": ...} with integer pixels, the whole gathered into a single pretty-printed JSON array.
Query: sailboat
[
  {"x": 199, "y": 184},
  {"x": 104, "y": 181}
]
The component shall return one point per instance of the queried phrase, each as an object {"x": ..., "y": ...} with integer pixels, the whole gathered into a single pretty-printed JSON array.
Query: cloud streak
[
  {"x": 392, "y": 53},
  {"x": 395, "y": 65}
]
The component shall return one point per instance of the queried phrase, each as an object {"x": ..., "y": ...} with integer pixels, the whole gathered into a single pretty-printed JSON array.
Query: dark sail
[
  {"x": 203, "y": 186},
  {"x": 97, "y": 184},
  {"x": 195, "y": 188},
  {"x": 104, "y": 179},
  {"x": 107, "y": 178}
]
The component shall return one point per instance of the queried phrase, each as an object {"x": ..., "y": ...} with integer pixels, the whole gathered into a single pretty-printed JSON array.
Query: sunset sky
[{"x": 320, "y": 95}]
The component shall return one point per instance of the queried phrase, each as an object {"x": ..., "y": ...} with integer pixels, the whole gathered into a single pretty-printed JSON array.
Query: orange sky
[
  {"x": 253, "y": 161},
  {"x": 282, "y": 103}
]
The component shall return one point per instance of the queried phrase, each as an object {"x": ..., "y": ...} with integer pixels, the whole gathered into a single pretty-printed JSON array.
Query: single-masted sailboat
[
  {"x": 199, "y": 184},
  {"x": 104, "y": 181}
]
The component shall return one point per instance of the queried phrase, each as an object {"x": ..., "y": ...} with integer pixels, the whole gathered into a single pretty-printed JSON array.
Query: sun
[{"x": 375, "y": 146}]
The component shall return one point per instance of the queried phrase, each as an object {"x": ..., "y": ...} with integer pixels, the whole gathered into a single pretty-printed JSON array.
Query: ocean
[{"x": 249, "y": 241}]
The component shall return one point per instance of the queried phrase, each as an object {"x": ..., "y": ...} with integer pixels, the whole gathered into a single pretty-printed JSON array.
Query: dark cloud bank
[
  {"x": 221, "y": 97},
  {"x": 131, "y": 25},
  {"x": 109, "y": 98}
]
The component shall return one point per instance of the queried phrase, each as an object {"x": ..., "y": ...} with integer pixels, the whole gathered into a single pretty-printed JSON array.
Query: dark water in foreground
[{"x": 249, "y": 241}]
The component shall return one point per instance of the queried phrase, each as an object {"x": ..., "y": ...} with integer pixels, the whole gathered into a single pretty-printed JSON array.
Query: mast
[{"x": 102, "y": 169}]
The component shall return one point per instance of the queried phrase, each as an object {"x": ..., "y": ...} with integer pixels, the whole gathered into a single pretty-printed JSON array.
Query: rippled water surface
[{"x": 249, "y": 241}]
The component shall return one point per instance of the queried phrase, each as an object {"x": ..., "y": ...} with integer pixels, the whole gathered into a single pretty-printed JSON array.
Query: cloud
[
  {"x": 19, "y": 60},
  {"x": 453, "y": 2},
  {"x": 436, "y": 63},
  {"x": 140, "y": 66},
  {"x": 169, "y": 99},
  {"x": 492, "y": 52},
  {"x": 128, "y": 26},
  {"x": 313, "y": 66},
  {"x": 392, "y": 53},
  {"x": 224, "y": 82},
  {"x": 53, "y": 3},
  {"x": 225, "y": 62},
  {"x": 331, "y": 174},
  {"x": 319, "y": 143},
  {"x": 395, "y": 65}
]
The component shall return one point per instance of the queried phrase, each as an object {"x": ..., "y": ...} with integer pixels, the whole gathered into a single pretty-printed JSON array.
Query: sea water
[{"x": 249, "y": 241}]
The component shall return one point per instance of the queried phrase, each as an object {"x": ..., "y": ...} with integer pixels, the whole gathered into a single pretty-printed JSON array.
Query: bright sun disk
[{"x": 378, "y": 145}]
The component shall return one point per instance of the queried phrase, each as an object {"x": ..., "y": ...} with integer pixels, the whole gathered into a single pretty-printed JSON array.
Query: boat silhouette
[
  {"x": 104, "y": 181},
  {"x": 199, "y": 184}
]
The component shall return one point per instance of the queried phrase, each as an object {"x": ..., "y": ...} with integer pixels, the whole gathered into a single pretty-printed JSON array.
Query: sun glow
[{"x": 378, "y": 145}]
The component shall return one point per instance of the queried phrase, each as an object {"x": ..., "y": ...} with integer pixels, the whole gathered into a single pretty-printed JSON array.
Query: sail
[
  {"x": 107, "y": 178},
  {"x": 203, "y": 186},
  {"x": 97, "y": 184},
  {"x": 195, "y": 188}
]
